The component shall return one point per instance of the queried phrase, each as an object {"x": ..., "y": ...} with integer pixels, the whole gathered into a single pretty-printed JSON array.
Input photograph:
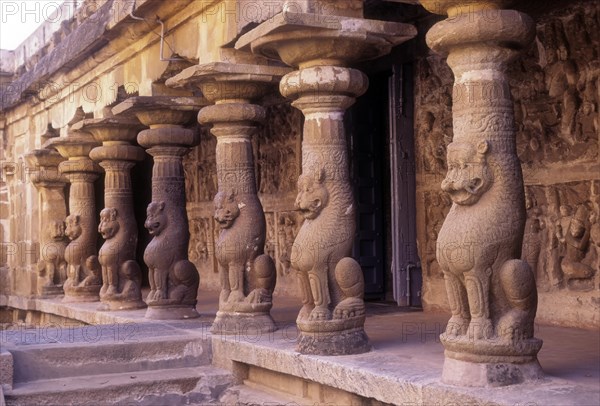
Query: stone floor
[{"x": 406, "y": 348}]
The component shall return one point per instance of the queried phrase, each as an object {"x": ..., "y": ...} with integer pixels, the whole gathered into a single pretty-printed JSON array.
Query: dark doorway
[
  {"x": 367, "y": 131},
  {"x": 380, "y": 135}
]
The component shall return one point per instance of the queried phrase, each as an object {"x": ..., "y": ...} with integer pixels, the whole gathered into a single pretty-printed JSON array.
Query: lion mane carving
[
  {"x": 329, "y": 278},
  {"x": 247, "y": 275},
  {"x": 491, "y": 293}
]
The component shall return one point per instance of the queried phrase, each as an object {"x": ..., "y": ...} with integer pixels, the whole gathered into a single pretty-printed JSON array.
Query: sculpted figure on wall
[
  {"x": 577, "y": 240},
  {"x": 198, "y": 250},
  {"x": 287, "y": 230}
]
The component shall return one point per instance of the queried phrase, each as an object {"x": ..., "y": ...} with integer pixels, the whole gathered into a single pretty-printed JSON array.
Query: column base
[
  {"x": 171, "y": 312},
  {"x": 77, "y": 294},
  {"x": 346, "y": 342},
  {"x": 111, "y": 305},
  {"x": 489, "y": 374},
  {"x": 236, "y": 323}
]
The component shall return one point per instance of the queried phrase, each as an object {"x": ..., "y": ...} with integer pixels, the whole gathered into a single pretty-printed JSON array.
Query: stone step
[
  {"x": 194, "y": 386},
  {"x": 34, "y": 362},
  {"x": 252, "y": 395}
]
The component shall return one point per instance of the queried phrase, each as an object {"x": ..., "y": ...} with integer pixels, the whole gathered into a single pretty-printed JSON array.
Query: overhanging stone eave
[
  {"x": 90, "y": 37},
  {"x": 292, "y": 21},
  {"x": 85, "y": 38},
  {"x": 134, "y": 104}
]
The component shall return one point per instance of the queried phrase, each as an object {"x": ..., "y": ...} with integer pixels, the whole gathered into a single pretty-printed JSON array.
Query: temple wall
[
  {"x": 118, "y": 57},
  {"x": 556, "y": 90}
]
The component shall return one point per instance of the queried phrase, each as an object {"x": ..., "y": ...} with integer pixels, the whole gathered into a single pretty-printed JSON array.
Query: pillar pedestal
[
  {"x": 173, "y": 278},
  {"x": 331, "y": 321},
  {"x": 492, "y": 293},
  {"x": 83, "y": 270},
  {"x": 52, "y": 267},
  {"x": 247, "y": 274},
  {"x": 121, "y": 274}
]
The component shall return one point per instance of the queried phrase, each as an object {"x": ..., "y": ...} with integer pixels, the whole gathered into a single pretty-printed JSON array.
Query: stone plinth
[
  {"x": 121, "y": 274},
  {"x": 247, "y": 274},
  {"x": 173, "y": 278},
  {"x": 52, "y": 267},
  {"x": 332, "y": 318},
  {"x": 83, "y": 270},
  {"x": 492, "y": 293}
]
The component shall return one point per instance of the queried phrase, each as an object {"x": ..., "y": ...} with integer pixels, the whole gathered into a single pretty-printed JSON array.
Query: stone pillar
[
  {"x": 52, "y": 267},
  {"x": 121, "y": 274},
  {"x": 492, "y": 293},
  {"x": 83, "y": 270},
  {"x": 247, "y": 274},
  {"x": 332, "y": 318},
  {"x": 173, "y": 278}
]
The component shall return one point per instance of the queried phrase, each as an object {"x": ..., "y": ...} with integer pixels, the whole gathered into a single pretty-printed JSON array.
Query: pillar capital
[
  {"x": 304, "y": 39},
  {"x": 161, "y": 111},
  {"x": 43, "y": 167},
  {"x": 113, "y": 130},
  {"x": 228, "y": 82}
]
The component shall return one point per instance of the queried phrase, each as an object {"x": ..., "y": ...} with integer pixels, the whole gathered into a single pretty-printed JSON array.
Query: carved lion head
[
  {"x": 156, "y": 218},
  {"x": 73, "y": 226},
  {"x": 57, "y": 230},
  {"x": 312, "y": 195},
  {"x": 226, "y": 209},
  {"x": 469, "y": 176},
  {"x": 109, "y": 225}
]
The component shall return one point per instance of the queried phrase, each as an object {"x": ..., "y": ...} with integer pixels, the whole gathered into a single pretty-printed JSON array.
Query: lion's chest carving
[
  {"x": 242, "y": 229},
  {"x": 327, "y": 233}
]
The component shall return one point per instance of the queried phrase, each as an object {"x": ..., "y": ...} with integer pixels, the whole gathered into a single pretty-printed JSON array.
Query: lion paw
[
  {"x": 480, "y": 328},
  {"x": 457, "y": 326},
  {"x": 236, "y": 296},
  {"x": 320, "y": 313},
  {"x": 305, "y": 312},
  {"x": 349, "y": 307}
]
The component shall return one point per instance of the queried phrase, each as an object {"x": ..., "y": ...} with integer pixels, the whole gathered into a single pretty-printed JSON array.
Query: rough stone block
[{"x": 6, "y": 372}]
